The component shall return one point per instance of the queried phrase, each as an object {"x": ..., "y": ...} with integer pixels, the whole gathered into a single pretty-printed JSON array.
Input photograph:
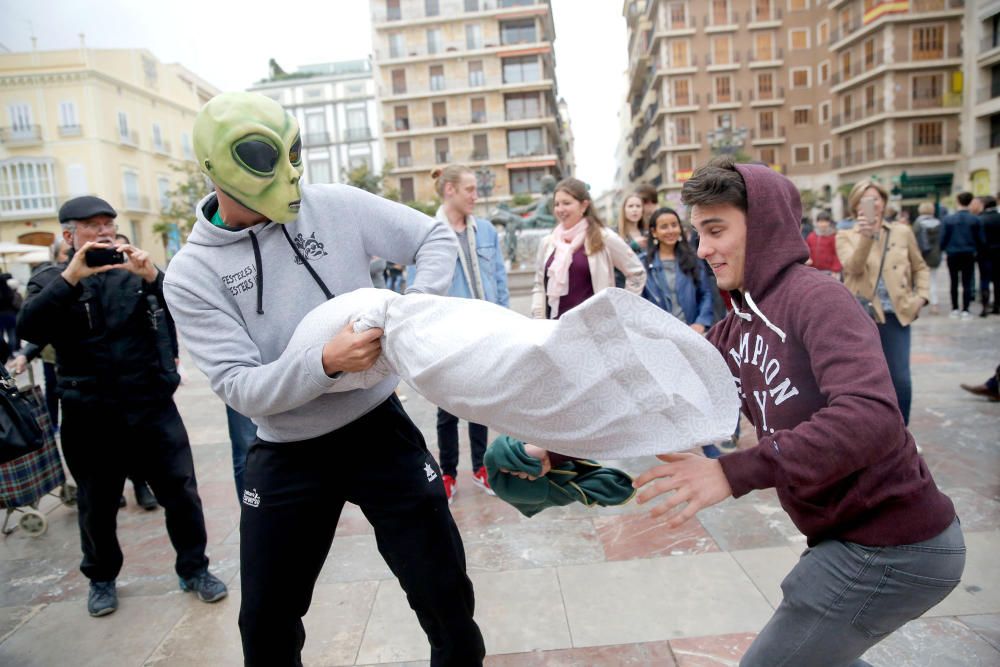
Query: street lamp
[{"x": 485, "y": 179}]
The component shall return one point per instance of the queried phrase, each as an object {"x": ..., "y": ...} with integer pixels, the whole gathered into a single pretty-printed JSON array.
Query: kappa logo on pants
[
  {"x": 251, "y": 498},
  {"x": 431, "y": 475}
]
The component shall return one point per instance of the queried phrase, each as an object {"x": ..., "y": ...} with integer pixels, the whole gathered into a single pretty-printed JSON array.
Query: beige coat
[
  {"x": 905, "y": 274},
  {"x": 616, "y": 255}
]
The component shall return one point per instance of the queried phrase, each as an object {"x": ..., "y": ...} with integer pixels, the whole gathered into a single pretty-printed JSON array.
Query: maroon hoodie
[{"x": 814, "y": 382}]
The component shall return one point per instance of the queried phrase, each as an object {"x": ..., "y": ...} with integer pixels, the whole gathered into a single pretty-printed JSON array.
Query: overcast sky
[{"x": 231, "y": 50}]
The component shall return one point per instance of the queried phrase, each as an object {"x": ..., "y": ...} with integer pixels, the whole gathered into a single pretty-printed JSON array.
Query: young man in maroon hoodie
[{"x": 884, "y": 543}]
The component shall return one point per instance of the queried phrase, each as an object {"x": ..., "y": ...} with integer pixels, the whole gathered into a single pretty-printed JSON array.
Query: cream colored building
[
  {"x": 826, "y": 91},
  {"x": 470, "y": 82},
  {"x": 107, "y": 122}
]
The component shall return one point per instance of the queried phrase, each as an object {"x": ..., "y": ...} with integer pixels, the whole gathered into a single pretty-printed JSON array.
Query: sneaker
[
  {"x": 954, "y": 314},
  {"x": 449, "y": 487},
  {"x": 711, "y": 451},
  {"x": 966, "y": 315},
  {"x": 481, "y": 479},
  {"x": 208, "y": 587},
  {"x": 144, "y": 496},
  {"x": 102, "y": 599}
]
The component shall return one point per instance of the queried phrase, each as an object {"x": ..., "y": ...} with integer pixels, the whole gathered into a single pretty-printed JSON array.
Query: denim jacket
[{"x": 695, "y": 301}]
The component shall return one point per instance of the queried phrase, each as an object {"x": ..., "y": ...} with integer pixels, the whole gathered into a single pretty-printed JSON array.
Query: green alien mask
[{"x": 250, "y": 148}]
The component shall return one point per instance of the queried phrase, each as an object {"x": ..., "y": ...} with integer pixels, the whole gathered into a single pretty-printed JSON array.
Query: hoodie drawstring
[
  {"x": 260, "y": 274},
  {"x": 762, "y": 316}
]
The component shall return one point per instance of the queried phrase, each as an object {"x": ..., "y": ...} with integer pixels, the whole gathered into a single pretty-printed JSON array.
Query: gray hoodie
[{"x": 237, "y": 297}]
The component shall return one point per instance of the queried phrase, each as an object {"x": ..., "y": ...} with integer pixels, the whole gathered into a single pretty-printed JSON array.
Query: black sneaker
[
  {"x": 103, "y": 598},
  {"x": 208, "y": 587},
  {"x": 144, "y": 496}
]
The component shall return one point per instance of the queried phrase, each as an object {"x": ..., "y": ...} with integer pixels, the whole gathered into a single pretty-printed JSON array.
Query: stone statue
[{"x": 536, "y": 215}]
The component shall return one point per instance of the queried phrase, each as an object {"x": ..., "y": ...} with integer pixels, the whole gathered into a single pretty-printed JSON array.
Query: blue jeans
[
  {"x": 242, "y": 433},
  {"x": 843, "y": 598},
  {"x": 896, "y": 347}
]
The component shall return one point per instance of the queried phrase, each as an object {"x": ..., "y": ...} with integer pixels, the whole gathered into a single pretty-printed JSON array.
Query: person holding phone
[
  {"x": 116, "y": 378},
  {"x": 883, "y": 264}
]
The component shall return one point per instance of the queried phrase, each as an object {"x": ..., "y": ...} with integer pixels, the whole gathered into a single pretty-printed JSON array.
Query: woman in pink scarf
[{"x": 579, "y": 258}]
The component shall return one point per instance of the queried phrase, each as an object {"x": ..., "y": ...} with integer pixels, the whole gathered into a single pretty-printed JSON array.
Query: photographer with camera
[{"x": 103, "y": 311}]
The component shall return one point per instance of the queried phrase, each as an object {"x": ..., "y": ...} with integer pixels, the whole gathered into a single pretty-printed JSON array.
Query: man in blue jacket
[{"x": 961, "y": 239}]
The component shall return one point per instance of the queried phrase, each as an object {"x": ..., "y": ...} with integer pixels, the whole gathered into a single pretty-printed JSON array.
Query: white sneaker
[
  {"x": 966, "y": 315},
  {"x": 953, "y": 314}
]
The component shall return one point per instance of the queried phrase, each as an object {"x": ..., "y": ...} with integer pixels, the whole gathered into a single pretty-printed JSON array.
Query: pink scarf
[{"x": 566, "y": 244}]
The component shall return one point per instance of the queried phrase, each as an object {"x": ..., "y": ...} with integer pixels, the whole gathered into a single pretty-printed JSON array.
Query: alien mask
[{"x": 249, "y": 146}]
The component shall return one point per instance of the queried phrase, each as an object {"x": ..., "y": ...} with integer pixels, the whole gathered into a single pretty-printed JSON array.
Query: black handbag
[
  {"x": 867, "y": 304},
  {"x": 20, "y": 432}
]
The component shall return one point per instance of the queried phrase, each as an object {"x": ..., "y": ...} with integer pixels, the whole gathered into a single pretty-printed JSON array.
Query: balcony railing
[
  {"x": 690, "y": 61},
  {"x": 134, "y": 202},
  {"x": 940, "y": 101},
  {"x": 858, "y": 113},
  {"x": 953, "y": 50},
  {"x": 357, "y": 134},
  {"x": 732, "y": 19},
  {"x": 130, "y": 139},
  {"x": 442, "y": 157},
  {"x": 687, "y": 138},
  {"x": 734, "y": 97},
  {"x": 989, "y": 42},
  {"x": 856, "y": 158},
  {"x": 316, "y": 138},
  {"x": 404, "y": 160},
  {"x": 687, "y": 100},
  {"x": 402, "y": 124},
  {"x": 479, "y": 156},
  {"x": 21, "y": 135},
  {"x": 935, "y": 5},
  {"x": 440, "y": 121},
  {"x": 775, "y": 54},
  {"x": 162, "y": 148},
  {"x": 70, "y": 131},
  {"x": 732, "y": 59},
  {"x": 775, "y": 15},
  {"x": 929, "y": 150},
  {"x": 858, "y": 67},
  {"x": 987, "y": 93},
  {"x": 774, "y": 132},
  {"x": 988, "y": 140},
  {"x": 528, "y": 152},
  {"x": 765, "y": 95}
]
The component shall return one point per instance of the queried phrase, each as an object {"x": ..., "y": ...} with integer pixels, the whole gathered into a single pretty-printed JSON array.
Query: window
[
  {"x": 518, "y": 32},
  {"x": 845, "y": 66},
  {"x": 800, "y": 77},
  {"x": 504, "y": 4},
  {"x": 314, "y": 92},
  {"x": 720, "y": 12},
  {"x": 397, "y": 45},
  {"x": 824, "y": 71},
  {"x": 436, "y": 73},
  {"x": 928, "y": 43},
  {"x": 480, "y": 147},
  {"x": 800, "y": 116},
  {"x": 797, "y": 5},
  {"x": 824, "y": 151},
  {"x": 682, "y": 130},
  {"x": 319, "y": 170},
  {"x": 473, "y": 36},
  {"x": 927, "y": 91},
  {"x": 869, "y": 51},
  {"x": 472, "y": 5},
  {"x": 431, "y": 8},
  {"x": 398, "y": 81},
  {"x": 769, "y": 156},
  {"x": 406, "y": 189},
  {"x": 847, "y": 106},
  {"x": 476, "y": 76},
  {"x": 765, "y": 86},
  {"x": 682, "y": 92},
  {"x": 442, "y": 153},
  {"x": 525, "y": 142},
  {"x": 163, "y": 190},
  {"x": 679, "y": 52},
  {"x": 360, "y": 159},
  {"x": 765, "y": 122},
  {"x": 723, "y": 89},
  {"x": 930, "y": 133},
  {"x": 677, "y": 15},
  {"x": 762, "y": 10},
  {"x": 404, "y": 158},
  {"x": 392, "y": 12},
  {"x": 439, "y": 112},
  {"x": 523, "y": 69},
  {"x": 870, "y": 145},
  {"x": 824, "y": 112},
  {"x": 798, "y": 39},
  {"x": 802, "y": 154},
  {"x": 526, "y": 181},
  {"x": 518, "y": 106},
  {"x": 130, "y": 181},
  {"x": 67, "y": 115},
  {"x": 434, "y": 40},
  {"x": 27, "y": 185},
  {"x": 402, "y": 117},
  {"x": 186, "y": 146},
  {"x": 721, "y": 50},
  {"x": 157, "y": 138},
  {"x": 870, "y": 98},
  {"x": 823, "y": 33},
  {"x": 764, "y": 45},
  {"x": 122, "y": 126},
  {"x": 357, "y": 123},
  {"x": 478, "y": 109}
]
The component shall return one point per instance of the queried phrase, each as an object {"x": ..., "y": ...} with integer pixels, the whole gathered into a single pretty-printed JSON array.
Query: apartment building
[
  {"x": 108, "y": 122},
  {"x": 470, "y": 82},
  {"x": 825, "y": 91},
  {"x": 982, "y": 109},
  {"x": 335, "y": 106}
]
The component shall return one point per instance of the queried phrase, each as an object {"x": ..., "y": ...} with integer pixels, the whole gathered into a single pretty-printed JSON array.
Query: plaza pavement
[{"x": 570, "y": 586}]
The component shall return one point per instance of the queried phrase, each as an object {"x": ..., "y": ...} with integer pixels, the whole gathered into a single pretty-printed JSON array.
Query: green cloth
[
  {"x": 577, "y": 480},
  {"x": 217, "y": 219}
]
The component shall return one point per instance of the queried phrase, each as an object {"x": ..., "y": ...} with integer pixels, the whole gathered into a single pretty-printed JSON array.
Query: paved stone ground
[{"x": 568, "y": 587}]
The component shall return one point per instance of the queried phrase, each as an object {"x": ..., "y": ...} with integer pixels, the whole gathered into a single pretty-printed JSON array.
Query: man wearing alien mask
[{"x": 263, "y": 253}]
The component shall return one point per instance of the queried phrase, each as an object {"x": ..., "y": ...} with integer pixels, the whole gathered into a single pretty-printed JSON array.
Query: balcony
[
  {"x": 134, "y": 202},
  {"x": 857, "y": 158},
  {"x": 987, "y": 93},
  {"x": 533, "y": 151},
  {"x": 857, "y": 68},
  {"x": 940, "y": 101},
  {"x": 442, "y": 157},
  {"x": 732, "y": 61},
  {"x": 731, "y": 22},
  {"x": 988, "y": 141},
  {"x": 70, "y": 131},
  {"x": 733, "y": 98},
  {"x": 954, "y": 50},
  {"x": 129, "y": 139},
  {"x": 766, "y": 97},
  {"x": 755, "y": 59},
  {"x": 989, "y": 47},
  {"x": 765, "y": 135},
  {"x": 683, "y": 101},
  {"x": 858, "y": 113},
  {"x": 310, "y": 139},
  {"x": 163, "y": 148},
  {"x": 676, "y": 67},
  {"x": 476, "y": 156},
  {"x": 685, "y": 141},
  {"x": 754, "y": 21},
  {"x": 929, "y": 150},
  {"x": 402, "y": 124},
  {"x": 405, "y": 160},
  {"x": 24, "y": 135},
  {"x": 440, "y": 121},
  {"x": 357, "y": 134}
]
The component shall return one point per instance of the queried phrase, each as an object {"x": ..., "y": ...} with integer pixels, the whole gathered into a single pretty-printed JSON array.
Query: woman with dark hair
[
  {"x": 577, "y": 260},
  {"x": 676, "y": 280}
]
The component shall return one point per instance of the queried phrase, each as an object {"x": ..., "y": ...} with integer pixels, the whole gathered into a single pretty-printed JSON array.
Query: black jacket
[
  {"x": 107, "y": 348},
  {"x": 990, "y": 219}
]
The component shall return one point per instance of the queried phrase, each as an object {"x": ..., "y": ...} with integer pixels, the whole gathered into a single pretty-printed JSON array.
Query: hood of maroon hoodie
[{"x": 814, "y": 382}]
